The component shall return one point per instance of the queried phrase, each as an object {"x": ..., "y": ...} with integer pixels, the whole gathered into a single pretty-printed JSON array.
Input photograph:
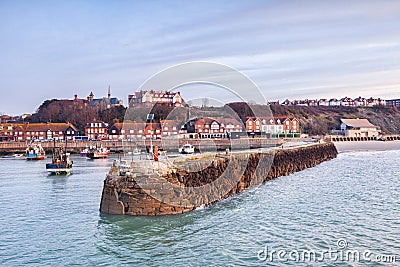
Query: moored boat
[
  {"x": 60, "y": 163},
  {"x": 84, "y": 152},
  {"x": 34, "y": 151},
  {"x": 97, "y": 153},
  {"x": 186, "y": 149}
]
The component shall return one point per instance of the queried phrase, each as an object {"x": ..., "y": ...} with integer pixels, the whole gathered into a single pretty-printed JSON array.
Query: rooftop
[{"x": 358, "y": 123}]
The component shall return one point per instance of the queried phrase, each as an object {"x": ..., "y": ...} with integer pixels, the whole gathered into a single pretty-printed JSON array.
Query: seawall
[{"x": 157, "y": 188}]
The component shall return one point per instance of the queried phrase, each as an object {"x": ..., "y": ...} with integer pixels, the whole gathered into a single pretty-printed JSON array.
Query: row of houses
[
  {"x": 194, "y": 128},
  {"x": 333, "y": 102},
  {"x": 37, "y": 131}
]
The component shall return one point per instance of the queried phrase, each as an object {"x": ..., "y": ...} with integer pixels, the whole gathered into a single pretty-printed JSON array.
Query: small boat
[
  {"x": 15, "y": 156},
  {"x": 60, "y": 163},
  {"x": 136, "y": 151},
  {"x": 84, "y": 152},
  {"x": 97, "y": 153},
  {"x": 186, "y": 149},
  {"x": 34, "y": 151}
]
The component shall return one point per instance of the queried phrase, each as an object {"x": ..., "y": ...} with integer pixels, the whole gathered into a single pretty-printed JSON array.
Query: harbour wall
[{"x": 124, "y": 194}]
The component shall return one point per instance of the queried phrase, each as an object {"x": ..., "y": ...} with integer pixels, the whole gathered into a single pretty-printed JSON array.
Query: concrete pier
[{"x": 183, "y": 184}]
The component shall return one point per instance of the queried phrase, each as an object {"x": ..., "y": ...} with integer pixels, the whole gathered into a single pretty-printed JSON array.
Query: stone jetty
[{"x": 181, "y": 184}]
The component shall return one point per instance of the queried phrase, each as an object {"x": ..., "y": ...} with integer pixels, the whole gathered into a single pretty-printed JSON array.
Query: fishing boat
[
  {"x": 60, "y": 163},
  {"x": 84, "y": 152},
  {"x": 34, "y": 151},
  {"x": 97, "y": 153},
  {"x": 186, "y": 149}
]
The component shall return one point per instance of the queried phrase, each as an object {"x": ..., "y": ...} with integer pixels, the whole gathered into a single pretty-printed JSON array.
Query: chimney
[{"x": 75, "y": 97}]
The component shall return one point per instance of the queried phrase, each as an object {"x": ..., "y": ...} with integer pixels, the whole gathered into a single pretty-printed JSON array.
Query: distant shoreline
[{"x": 362, "y": 146}]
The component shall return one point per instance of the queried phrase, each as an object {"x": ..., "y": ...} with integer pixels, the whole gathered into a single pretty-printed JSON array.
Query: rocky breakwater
[{"x": 178, "y": 185}]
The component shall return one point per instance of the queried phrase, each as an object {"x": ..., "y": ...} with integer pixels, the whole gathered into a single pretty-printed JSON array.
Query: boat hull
[
  {"x": 34, "y": 157},
  {"x": 97, "y": 155},
  {"x": 58, "y": 168}
]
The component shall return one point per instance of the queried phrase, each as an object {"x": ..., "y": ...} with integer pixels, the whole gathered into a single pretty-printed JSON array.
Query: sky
[{"x": 290, "y": 49}]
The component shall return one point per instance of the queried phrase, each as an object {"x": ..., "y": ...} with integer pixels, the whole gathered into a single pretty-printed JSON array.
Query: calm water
[{"x": 50, "y": 220}]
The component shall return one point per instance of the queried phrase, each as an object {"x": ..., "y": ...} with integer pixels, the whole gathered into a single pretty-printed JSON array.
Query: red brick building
[{"x": 97, "y": 130}]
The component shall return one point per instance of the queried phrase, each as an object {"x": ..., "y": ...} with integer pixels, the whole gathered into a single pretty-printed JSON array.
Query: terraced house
[{"x": 37, "y": 131}]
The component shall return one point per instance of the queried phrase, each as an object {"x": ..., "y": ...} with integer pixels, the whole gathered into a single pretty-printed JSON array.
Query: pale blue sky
[{"x": 291, "y": 49}]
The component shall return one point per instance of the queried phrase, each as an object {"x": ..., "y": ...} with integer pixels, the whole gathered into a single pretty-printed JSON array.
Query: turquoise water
[{"x": 54, "y": 221}]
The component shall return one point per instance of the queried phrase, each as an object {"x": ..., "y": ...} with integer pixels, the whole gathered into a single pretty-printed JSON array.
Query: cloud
[{"x": 290, "y": 49}]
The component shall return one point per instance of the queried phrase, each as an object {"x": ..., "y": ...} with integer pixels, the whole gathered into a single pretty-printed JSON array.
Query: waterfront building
[
  {"x": 127, "y": 131},
  {"x": 231, "y": 125},
  {"x": 50, "y": 131},
  {"x": 152, "y": 131},
  {"x": 359, "y": 128},
  {"x": 170, "y": 127},
  {"x": 209, "y": 128},
  {"x": 96, "y": 130},
  {"x": 12, "y": 132},
  {"x": 37, "y": 131}
]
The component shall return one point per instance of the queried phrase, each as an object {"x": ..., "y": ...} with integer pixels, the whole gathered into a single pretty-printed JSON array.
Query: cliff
[{"x": 159, "y": 188}]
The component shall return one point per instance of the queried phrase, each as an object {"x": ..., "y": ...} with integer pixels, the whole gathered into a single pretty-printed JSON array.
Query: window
[
  {"x": 113, "y": 131},
  {"x": 122, "y": 131},
  {"x": 9, "y": 128},
  {"x": 68, "y": 132},
  {"x": 131, "y": 131},
  {"x": 60, "y": 132}
]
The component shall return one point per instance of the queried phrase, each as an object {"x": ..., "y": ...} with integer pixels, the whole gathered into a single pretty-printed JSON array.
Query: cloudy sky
[{"x": 290, "y": 49}]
